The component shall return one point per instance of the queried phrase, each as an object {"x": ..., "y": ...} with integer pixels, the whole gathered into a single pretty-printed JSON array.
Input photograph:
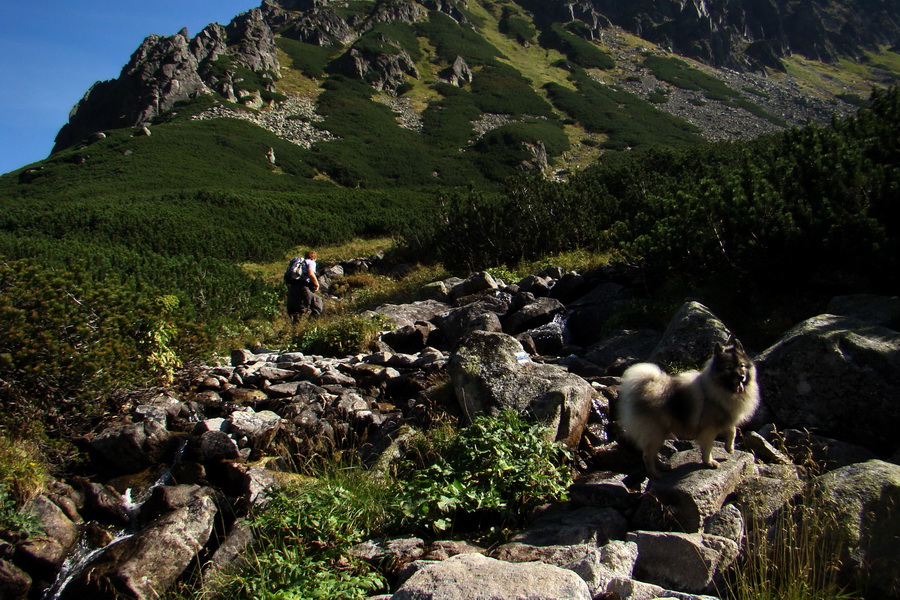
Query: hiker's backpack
[{"x": 295, "y": 272}]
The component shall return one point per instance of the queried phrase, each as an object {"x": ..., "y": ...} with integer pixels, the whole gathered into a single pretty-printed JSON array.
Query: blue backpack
[{"x": 295, "y": 272}]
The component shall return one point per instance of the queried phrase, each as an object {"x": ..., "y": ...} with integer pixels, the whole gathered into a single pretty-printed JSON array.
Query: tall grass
[{"x": 792, "y": 558}]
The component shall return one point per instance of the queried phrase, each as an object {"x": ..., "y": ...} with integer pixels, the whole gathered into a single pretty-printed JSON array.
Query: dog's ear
[
  {"x": 737, "y": 344},
  {"x": 719, "y": 349}
]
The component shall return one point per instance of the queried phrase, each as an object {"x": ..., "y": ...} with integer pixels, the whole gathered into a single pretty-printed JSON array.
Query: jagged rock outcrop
[
  {"x": 386, "y": 68},
  {"x": 741, "y": 34},
  {"x": 166, "y": 70}
]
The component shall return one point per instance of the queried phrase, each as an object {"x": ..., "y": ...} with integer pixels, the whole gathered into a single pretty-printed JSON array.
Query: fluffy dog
[{"x": 655, "y": 406}]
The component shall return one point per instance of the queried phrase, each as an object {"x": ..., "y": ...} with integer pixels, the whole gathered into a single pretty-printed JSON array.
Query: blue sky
[{"x": 52, "y": 51}]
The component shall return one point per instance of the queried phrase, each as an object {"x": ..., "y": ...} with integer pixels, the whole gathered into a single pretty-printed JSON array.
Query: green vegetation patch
[
  {"x": 506, "y": 148},
  {"x": 517, "y": 27},
  {"x": 450, "y": 40},
  {"x": 500, "y": 88},
  {"x": 373, "y": 150},
  {"x": 577, "y": 49},
  {"x": 678, "y": 73},
  {"x": 495, "y": 471},
  {"x": 628, "y": 120},
  {"x": 309, "y": 59}
]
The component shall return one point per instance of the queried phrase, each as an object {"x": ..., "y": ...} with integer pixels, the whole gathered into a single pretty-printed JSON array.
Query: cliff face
[
  {"x": 742, "y": 34},
  {"x": 166, "y": 70}
]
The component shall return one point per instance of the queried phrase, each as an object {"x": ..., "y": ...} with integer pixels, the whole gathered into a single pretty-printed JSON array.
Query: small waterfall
[
  {"x": 75, "y": 564},
  {"x": 83, "y": 555}
]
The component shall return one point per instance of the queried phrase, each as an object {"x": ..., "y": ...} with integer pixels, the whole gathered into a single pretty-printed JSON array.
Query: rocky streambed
[{"x": 179, "y": 471}]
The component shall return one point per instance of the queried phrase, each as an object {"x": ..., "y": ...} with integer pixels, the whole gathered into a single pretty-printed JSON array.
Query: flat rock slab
[
  {"x": 685, "y": 497},
  {"x": 478, "y": 577}
]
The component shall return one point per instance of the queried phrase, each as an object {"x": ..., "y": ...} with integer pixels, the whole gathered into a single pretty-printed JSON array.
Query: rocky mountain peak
[{"x": 167, "y": 70}]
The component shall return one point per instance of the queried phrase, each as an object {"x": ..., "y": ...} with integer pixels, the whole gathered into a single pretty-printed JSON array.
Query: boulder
[
  {"x": 540, "y": 312},
  {"x": 41, "y": 557},
  {"x": 409, "y": 338},
  {"x": 568, "y": 287},
  {"x": 596, "y": 566},
  {"x": 132, "y": 447},
  {"x": 689, "y": 339},
  {"x": 628, "y": 589},
  {"x": 403, "y": 315},
  {"x": 684, "y": 498},
  {"x": 475, "y": 284},
  {"x": 560, "y": 526},
  {"x": 231, "y": 552},
  {"x": 53, "y": 521},
  {"x": 482, "y": 315},
  {"x": 883, "y": 311},
  {"x": 680, "y": 561},
  {"x": 254, "y": 429},
  {"x": 763, "y": 495},
  {"x": 15, "y": 584},
  {"x": 478, "y": 577},
  {"x": 836, "y": 375},
  {"x": 623, "y": 348},
  {"x": 862, "y": 507},
  {"x": 145, "y": 565},
  {"x": 490, "y": 374},
  {"x": 588, "y": 315}
]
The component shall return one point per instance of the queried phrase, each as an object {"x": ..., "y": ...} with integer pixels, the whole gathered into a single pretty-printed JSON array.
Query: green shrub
[
  {"x": 577, "y": 49},
  {"x": 303, "y": 538},
  {"x": 678, "y": 73},
  {"x": 450, "y": 40},
  {"x": 340, "y": 335},
  {"x": 518, "y": 28},
  {"x": 67, "y": 338},
  {"x": 309, "y": 59},
  {"x": 498, "y": 467}
]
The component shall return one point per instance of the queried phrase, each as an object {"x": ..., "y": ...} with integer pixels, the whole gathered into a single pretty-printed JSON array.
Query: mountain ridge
[{"x": 405, "y": 54}]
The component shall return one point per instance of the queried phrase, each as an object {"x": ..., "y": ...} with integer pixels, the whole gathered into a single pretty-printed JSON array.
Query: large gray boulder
[
  {"x": 681, "y": 561},
  {"x": 478, "y": 577},
  {"x": 131, "y": 447},
  {"x": 403, "y": 315},
  {"x": 491, "y": 373},
  {"x": 53, "y": 521},
  {"x": 837, "y": 375},
  {"x": 482, "y": 315},
  {"x": 145, "y": 565},
  {"x": 690, "y": 337},
  {"x": 861, "y": 504}
]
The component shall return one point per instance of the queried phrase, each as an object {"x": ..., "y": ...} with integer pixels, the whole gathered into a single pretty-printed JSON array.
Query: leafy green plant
[
  {"x": 500, "y": 465},
  {"x": 303, "y": 537}
]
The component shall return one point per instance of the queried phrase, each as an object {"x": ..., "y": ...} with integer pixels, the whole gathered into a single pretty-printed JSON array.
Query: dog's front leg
[
  {"x": 706, "y": 446},
  {"x": 729, "y": 440}
]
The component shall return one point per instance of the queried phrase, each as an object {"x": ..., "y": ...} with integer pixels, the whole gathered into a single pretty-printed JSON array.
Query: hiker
[{"x": 302, "y": 287}]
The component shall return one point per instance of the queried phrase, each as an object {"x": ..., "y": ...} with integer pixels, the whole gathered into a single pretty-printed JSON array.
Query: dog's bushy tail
[{"x": 644, "y": 384}]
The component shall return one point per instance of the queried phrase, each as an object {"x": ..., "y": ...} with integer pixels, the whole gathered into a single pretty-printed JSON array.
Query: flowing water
[{"x": 84, "y": 555}]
